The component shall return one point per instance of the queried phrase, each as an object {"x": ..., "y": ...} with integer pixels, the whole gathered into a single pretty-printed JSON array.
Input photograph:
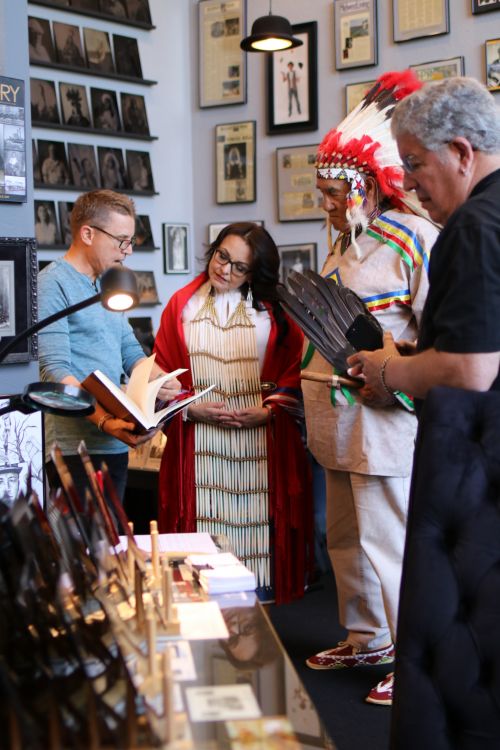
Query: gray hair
[{"x": 444, "y": 110}]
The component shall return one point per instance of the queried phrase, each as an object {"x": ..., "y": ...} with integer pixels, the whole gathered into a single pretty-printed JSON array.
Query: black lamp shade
[
  {"x": 119, "y": 290},
  {"x": 268, "y": 28}
]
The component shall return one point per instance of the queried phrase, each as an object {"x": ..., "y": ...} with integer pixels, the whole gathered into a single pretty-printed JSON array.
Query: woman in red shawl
[{"x": 234, "y": 462}]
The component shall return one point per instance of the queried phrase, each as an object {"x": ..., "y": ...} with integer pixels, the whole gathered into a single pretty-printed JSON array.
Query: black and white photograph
[
  {"x": 492, "y": 49},
  {"x": 18, "y": 299},
  {"x": 12, "y": 141},
  {"x": 127, "y": 60},
  {"x": 41, "y": 47},
  {"x": 143, "y": 233},
  {"x": 143, "y": 330},
  {"x": 46, "y": 230},
  {"x": 105, "y": 109},
  {"x": 148, "y": 293},
  {"x": 98, "y": 50},
  {"x": 298, "y": 258},
  {"x": 65, "y": 208},
  {"x": 112, "y": 168},
  {"x": 176, "y": 248},
  {"x": 37, "y": 175},
  {"x": 53, "y": 163},
  {"x": 138, "y": 10},
  {"x": 115, "y": 8},
  {"x": 7, "y": 299},
  {"x": 44, "y": 101},
  {"x": 83, "y": 166},
  {"x": 14, "y": 138},
  {"x": 140, "y": 175},
  {"x": 69, "y": 49},
  {"x": 235, "y": 161},
  {"x": 134, "y": 115},
  {"x": 74, "y": 105},
  {"x": 21, "y": 455}
]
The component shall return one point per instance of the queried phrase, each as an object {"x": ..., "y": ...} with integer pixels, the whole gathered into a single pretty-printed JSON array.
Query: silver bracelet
[
  {"x": 382, "y": 375},
  {"x": 103, "y": 420}
]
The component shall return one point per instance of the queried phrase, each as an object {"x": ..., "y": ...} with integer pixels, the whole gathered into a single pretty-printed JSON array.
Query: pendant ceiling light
[{"x": 269, "y": 34}]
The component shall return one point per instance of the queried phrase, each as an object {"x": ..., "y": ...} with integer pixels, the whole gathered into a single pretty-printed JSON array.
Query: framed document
[
  {"x": 299, "y": 258},
  {"x": 176, "y": 248},
  {"x": 354, "y": 92},
  {"x": 298, "y": 199},
  {"x": 355, "y": 33},
  {"x": 483, "y": 6},
  {"x": 235, "y": 162},
  {"x": 222, "y": 71},
  {"x": 18, "y": 271},
  {"x": 413, "y": 20},
  {"x": 292, "y": 84},
  {"x": 492, "y": 50},
  {"x": 438, "y": 69},
  {"x": 13, "y": 187}
]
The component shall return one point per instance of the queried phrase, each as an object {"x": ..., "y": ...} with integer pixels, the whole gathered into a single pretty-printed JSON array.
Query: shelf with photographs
[{"x": 128, "y": 12}]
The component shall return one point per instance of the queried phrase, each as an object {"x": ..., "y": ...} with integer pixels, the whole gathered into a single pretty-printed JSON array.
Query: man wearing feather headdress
[{"x": 381, "y": 253}]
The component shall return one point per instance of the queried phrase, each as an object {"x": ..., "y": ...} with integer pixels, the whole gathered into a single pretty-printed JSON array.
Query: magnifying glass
[{"x": 52, "y": 398}]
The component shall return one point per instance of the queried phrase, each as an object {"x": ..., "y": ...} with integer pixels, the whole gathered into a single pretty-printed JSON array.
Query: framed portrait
[
  {"x": 176, "y": 248},
  {"x": 65, "y": 208},
  {"x": 143, "y": 330},
  {"x": 356, "y": 33},
  {"x": 138, "y": 10},
  {"x": 44, "y": 102},
  {"x": 105, "y": 109},
  {"x": 484, "y": 6},
  {"x": 439, "y": 69},
  {"x": 115, "y": 8},
  {"x": 214, "y": 229},
  {"x": 98, "y": 50},
  {"x": 415, "y": 20},
  {"x": 235, "y": 162},
  {"x": 148, "y": 293},
  {"x": 18, "y": 307},
  {"x": 53, "y": 163},
  {"x": 300, "y": 257},
  {"x": 83, "y": 166},
  {"x": 69, "y": 49},
  {"x": 222, "y": 62},
  {"x": 13, "y": 186},
  {"x": 46, "y": 229},
  {"x": 292, "y": 84},
  {"x": 354, "y": 92},
  {"x": 112, "y": 168},
  {"x": 135, "y": 119},
  {"x": 140, "y": 174},
  {"x": 127, "y": 60},
  {"x": 492, "y": 51},
  {"x": 41, "y": 46},
  {"x": 143, "y": 233},
  {"x": 298, "y": 199},
  {"x": 74, "y": 105},
  {"x": 22, "y": 458}
]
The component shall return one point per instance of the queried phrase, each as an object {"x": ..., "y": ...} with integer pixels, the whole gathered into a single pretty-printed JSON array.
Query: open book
[{"x": 137, "y": 402}]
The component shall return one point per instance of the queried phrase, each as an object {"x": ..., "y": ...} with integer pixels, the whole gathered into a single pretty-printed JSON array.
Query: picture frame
[
  {"x": 143, "y": 233},
  {"x": 176, "y": 248},
  {"x": 222, "y": 62},
  {"x": 83, "y": 166},
  {"x": 214, "y": 229},
  {"x": 298, "y": 257},
  {"x": 138, "y": 10},
  {"x": 13, "y": 182},
  {"x": 484, "y": 6},
  {"x": 44, "y": 107},
  {"x": 354, "y": 93},
  {"x": 18, "y": 271},
  {"x": 41, "y": 46},
  {"x": 37, "y": 174},
  {"x": 292, "y": 84},
  {"x": 127, "y": 58},
  {"x": 139, "y": 171},
  {"x": 74, "y": 105},
  {"x": 148, "y": 291},
  {"x": 68, "y": 44},
  {"x": 298, "y": 199},
  {"x": 235, "y": 162},
  {"x": 105, "y": 109},
  {"x": 65, "y": 208},
  {"x": 492, "y": 55},
  {"x": 46, "y": 229},
  {"x": 98, "y": 50},
  {"x": 23, "y": 456},
  {"x": 416, "y": 20},
  {"x": 436, "y": 70},
  {"x": 134, "y": 116},
  {"x": 143, "y": 331},
  {"x": 53, "y": 163},
  {"x": 112, "y": 168},
  {"x": 355, "y": 34}
]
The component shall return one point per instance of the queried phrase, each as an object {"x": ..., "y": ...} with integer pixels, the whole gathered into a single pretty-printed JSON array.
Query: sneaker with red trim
[
  {"x": 346, "y": 655},
  {"x": 381, "y": 694}
]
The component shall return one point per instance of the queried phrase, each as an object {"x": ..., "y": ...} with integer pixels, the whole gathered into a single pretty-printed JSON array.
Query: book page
[
  {"x": 144, "y": 391},
  {"x": 178, "y": 405}
]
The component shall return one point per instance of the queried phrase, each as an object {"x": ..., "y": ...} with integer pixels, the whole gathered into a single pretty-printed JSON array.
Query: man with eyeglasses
[{"x": 102, "y": 228}]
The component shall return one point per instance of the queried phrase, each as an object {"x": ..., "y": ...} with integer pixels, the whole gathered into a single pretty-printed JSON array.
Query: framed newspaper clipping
[
  {"x": 484, "y": 6},
  {"x": 298, "y": 199},
  {"x": 235, "y": 162},
  {"x": 355, "y": 33},
  {"x": 222, "y": 62},
  {"x": 354, "y": 92},
  {"x": 413, "y": 20},
  {"x": 439, "y": 69}
]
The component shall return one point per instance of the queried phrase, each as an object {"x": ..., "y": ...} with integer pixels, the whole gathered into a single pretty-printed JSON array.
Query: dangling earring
[{"x": 250, "y": 295}]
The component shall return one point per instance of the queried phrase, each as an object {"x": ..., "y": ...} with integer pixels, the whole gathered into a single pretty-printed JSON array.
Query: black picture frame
[
  {"x": 127, "y": 58},
  {"x": 18, "y": 272},
  {"x": 176, "y": 243},
  {"x": 105, "y": 112},
  {"x": 41, "y": 46},
  {"x": 98, "y": 50},
  {"x": 426, "y": 29},
  {"x": 492, "y": 62},
  {"x": 298, "y": 257},
  {"x": 112, "y": 168},
  {"x": 46, "y": 229},
  {"x": 74, "y": 105},
  {"x": 484, "y": 6},
  {"x": 281, "y": 75},
  {"x": 68, "y": 44},
  {"x": 134, "y": 115},
  {"x": 139, "y": 171},
  {"x": 356, "y": 34},
  {"x": 44, "y": 102}
]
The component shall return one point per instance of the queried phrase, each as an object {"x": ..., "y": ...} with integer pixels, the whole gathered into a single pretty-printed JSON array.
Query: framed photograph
[
  {"x": 439, "y": 69},
  {"x": 235, "y": 162},
  {"x": 298, "y": 199},
  {"x": 292, "y": 84},
  {"x": 12, "y": 141},
  {"x": 138, "y": 10},
  {"x": 69, "y": 49},
  {"x": 148, "y": 293},
  {"x": 116, "y": 8},
  {"x": 83, "y": 166},
  {"x": 143, "y": 330},
  {"x": 492, "y": 51},
  {"x": 140, "y": 174},
  {"x": 127, "y": 60},
  {"x": 53, "y": 163},
  {"x": 18, "y": 308},
  {"x": 112, "y": 168},
  {"x": 46, "y": 229},
  {"x": 354, "y": 92},
  {"x": 105, "y": 109},
  {"x": 98, "y": 50},
  {"x": 37, "y": 175},
  {"x": 484, "y": 6},
  {"x": 65, "y": 208},
  {"x": 222, "y": 71},
  {"x": 44, "y": 102},
  {"x": 214, "y": 229},
  {"x": 356, "y": 34},
  {"x": 74, "y": 105},
  {"x": 415, "y": 20},
  {"x": 41, "y": 47},
  {"x": 22, "y": 440},
  {"x": 143, "y": 233},
  {"x": 135, "y": 119},
  {"x": 297, "y": 258},
  {"x": 176, "y": 248}
]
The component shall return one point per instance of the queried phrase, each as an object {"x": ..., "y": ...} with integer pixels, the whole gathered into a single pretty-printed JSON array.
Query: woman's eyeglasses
[{"x": 237, "y": 269}]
